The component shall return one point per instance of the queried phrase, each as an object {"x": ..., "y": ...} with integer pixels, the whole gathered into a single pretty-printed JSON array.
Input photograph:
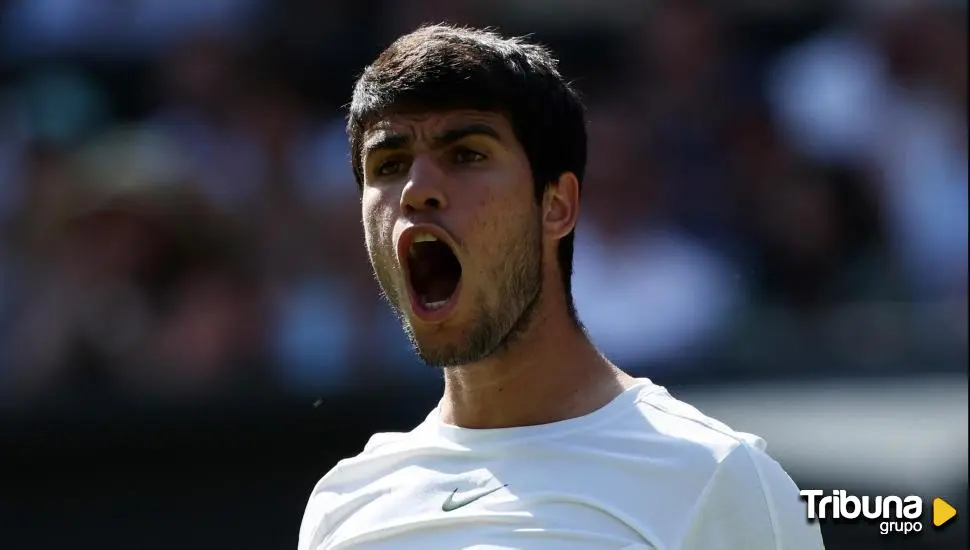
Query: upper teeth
[{"x": 421, "y": 238}]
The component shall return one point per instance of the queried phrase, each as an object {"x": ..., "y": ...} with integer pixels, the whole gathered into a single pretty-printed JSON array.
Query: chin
[
  {"x": 431, "y": 338},
  {"x": 438, "y": 356}
]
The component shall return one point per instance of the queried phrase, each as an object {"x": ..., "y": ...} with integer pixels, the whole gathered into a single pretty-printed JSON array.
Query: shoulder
[
  {"x": 700, "y": 439},
  {"x": 366, "y": 463},
  {"x": 348, "y": 480},
  {"x": 747, "y": 497},
  {"x": 753, "y": 502}
]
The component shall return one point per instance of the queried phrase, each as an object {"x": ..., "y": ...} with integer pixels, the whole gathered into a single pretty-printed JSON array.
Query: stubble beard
[{"x": 495, "y": 327}]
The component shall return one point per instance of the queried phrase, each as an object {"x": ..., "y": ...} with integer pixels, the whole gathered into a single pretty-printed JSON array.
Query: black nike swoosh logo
[{"x": 451, "y": 503}]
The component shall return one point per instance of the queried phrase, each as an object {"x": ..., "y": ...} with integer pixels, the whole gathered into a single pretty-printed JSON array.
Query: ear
[{"x": 560, "y": 206}]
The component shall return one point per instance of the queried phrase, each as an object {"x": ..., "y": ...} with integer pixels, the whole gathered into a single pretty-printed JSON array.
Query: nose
[{"x": 425, "y": 187}]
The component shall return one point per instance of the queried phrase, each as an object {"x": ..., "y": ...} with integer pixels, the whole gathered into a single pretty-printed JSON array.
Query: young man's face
[{"x": 452, "y": 229}]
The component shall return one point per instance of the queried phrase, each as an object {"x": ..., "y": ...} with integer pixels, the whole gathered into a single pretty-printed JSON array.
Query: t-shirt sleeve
[
  {"x": 313, "y": 527},
  {"x": 750, "y": 503}
]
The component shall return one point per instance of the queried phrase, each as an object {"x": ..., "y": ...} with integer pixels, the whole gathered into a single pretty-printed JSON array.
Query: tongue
[{"x": 439, "y": 288}]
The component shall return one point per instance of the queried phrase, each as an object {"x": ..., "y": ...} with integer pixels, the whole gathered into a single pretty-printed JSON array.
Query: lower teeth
[{"x": 435, "y": 305}]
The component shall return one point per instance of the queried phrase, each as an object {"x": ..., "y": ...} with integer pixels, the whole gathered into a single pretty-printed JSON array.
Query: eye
[
  {"x": 467, "y": 156},
  {"x": 388, "y": 168}
]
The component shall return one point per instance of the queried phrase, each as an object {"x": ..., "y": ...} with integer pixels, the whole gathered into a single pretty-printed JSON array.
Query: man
[{"x": 469, "y": 150}]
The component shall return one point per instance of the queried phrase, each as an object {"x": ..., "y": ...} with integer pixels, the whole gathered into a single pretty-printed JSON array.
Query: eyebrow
[{"x": 391, "y": 141}]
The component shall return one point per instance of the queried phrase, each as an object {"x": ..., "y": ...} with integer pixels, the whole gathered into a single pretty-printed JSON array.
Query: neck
[{"x": 551, "y": 372}]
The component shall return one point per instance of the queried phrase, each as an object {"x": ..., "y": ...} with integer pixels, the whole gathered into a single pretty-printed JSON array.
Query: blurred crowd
[{"x": 769, "y": 188}]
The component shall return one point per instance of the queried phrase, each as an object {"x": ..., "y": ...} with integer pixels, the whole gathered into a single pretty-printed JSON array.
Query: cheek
[
  {"x": 499, "y": 226},
  {"x": 377, "y": 220},
  {"x": 492, "y": 207}
]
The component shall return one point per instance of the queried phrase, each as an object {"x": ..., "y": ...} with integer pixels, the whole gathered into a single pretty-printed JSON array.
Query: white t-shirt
[{"x": 644, "y": 472}]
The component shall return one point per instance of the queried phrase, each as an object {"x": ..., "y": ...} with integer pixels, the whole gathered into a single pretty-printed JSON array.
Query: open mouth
[{"x": 434, "y": 272}]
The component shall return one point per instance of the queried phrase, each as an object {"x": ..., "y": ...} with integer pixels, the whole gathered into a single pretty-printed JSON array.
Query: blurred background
[{"x": 774, "y": 227}]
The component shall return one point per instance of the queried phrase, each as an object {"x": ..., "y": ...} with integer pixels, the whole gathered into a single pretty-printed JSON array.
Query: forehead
[{"x": 427, "y": 125}]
